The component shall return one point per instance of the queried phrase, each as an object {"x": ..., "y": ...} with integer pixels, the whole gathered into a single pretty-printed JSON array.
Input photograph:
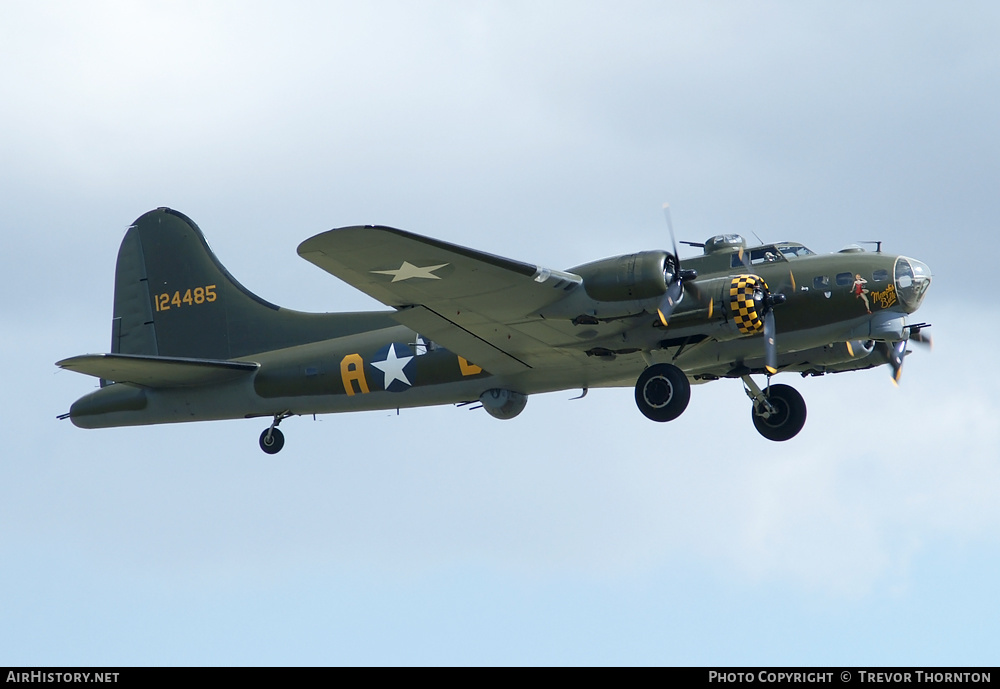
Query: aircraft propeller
[
  {"x": 675, "y": 289},
  {"x": 790, "y": 282},
  {"x": 774, "y": 298},
  {"x": 770, "y": 343},
  {"x": 894, "y": 353}
]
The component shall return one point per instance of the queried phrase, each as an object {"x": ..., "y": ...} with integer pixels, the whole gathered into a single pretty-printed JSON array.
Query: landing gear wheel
[
  {"x": 789, "y": 414},
  {"x": 662, "y": 392},
  {"x": 272, "y": 440}
]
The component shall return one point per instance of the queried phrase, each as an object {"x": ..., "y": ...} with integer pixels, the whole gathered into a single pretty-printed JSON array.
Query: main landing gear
[
  {"x": 662, "y": 394},
  {"x": 779, "y": 414},
  {"x": 272, "y": 440}
]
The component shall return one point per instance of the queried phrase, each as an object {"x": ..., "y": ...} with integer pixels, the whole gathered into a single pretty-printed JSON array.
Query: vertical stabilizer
[{"x": 173, "y": 298}]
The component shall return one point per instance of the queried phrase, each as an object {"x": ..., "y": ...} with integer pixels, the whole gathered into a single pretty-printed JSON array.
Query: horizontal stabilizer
[{"x": 157, "y": 371}]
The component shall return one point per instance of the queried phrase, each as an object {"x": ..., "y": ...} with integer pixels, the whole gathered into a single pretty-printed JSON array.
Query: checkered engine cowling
[{"x": 748, "y": 313}]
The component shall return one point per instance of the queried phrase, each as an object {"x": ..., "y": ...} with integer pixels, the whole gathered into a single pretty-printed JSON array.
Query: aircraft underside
[{"x": 662, "y": 380}]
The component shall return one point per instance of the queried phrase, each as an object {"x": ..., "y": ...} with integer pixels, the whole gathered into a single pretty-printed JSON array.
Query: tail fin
[{"x": 173, "y": 298}]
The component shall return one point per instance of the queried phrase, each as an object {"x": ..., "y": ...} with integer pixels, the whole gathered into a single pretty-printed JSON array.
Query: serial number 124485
[{"x": 192, "y": 297}]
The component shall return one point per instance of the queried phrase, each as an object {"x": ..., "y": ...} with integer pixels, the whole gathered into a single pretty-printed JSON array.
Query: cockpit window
[
  {"x": 765, "y": 254},
  {"x": 794, "y": 250}
]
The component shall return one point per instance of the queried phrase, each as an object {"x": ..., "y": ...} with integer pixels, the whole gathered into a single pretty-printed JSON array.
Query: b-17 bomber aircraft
[{"x": 190, "y": 343}]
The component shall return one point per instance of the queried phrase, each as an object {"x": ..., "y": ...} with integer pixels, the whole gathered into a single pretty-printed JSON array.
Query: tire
[
  {"x": 272, "y": 445},
  {"x": 789, "y": 416},
  {"x": 662, "y": 392}
]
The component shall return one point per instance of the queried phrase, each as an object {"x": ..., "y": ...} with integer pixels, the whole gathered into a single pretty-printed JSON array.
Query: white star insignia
[
  {"x": 408, "y": 270},
  {"x": 393, "y": 367}
]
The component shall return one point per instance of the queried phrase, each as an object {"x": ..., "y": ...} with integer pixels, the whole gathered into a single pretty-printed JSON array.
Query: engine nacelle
[
  {"x": 859, "y": 349},
  {"x": 840, "y": 352},
  {"x": 503, "y": 404},
  {"x": 747, "y": 299},
  {"x": 627, "y": 278},
  {"x": 853, "y": 355}
]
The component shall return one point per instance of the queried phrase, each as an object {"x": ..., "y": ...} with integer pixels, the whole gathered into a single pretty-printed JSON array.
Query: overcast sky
[{"x": 549, "y": 132}]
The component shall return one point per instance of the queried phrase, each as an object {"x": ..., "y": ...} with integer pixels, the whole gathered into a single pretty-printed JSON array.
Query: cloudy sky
[{"x": 550, "y": 132}]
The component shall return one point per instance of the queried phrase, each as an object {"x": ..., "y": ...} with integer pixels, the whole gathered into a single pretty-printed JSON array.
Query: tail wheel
[
  {"x": 788, "y": 417},
  {"x": 662, "y": 392},
  {"x": 272, "y": 440}
]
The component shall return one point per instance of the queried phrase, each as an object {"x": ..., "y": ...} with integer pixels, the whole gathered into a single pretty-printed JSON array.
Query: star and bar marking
[
  {"x": 394, "y": 367},
  {"x": 408, "y": 271}
]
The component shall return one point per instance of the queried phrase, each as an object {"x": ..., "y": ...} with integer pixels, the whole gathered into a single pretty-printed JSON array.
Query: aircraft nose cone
[{"x": 912, "y": 278}]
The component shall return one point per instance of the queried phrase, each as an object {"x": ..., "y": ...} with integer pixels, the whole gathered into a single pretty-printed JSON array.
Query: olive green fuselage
[{"x": 830, "y": 302}]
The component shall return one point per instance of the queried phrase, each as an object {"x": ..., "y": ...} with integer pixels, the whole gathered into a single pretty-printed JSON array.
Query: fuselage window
[
  {"x": 821, "y": 282},
  {"x": 880, "y": 276},
  {"x": 844, "y": 279}
]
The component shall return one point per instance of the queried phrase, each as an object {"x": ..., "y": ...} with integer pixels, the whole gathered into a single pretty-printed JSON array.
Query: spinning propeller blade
[
  {"x": 770, "y": 347},
  {"x": 670, "y": 228},
  {"x": 678, "y": 278},
  {"x": 670, "y": 298},
  {"x": 744, "y": 256},
  {"x": 893, "y": 355}
]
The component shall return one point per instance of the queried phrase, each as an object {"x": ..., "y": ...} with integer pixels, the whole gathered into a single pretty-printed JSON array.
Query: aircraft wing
[
  {"x": 481, "y": 306},
  {"x": 157, "y": 371}
]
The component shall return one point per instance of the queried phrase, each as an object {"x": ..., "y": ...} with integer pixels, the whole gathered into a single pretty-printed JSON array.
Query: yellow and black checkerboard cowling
[{"x": 741, "y": 303}]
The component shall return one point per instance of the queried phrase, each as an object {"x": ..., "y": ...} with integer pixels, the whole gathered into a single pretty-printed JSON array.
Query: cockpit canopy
[
  {"x": 793, "y": 250},
  {"x": 725, "y": 242},
  {"x": 735, "y": 244}
]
